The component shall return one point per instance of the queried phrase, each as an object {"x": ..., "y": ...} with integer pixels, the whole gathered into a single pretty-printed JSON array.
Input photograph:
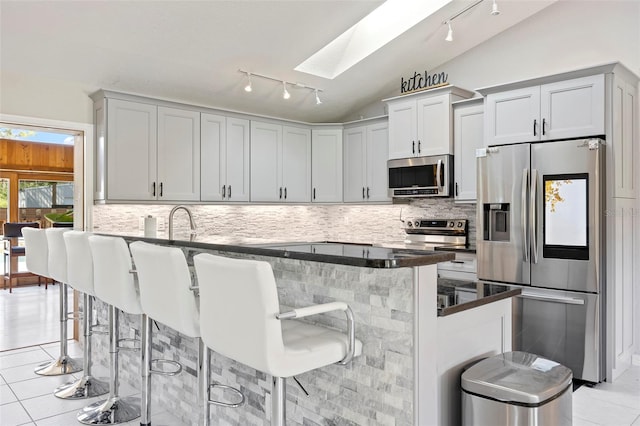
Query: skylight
[{"x": 378, "y": 28}]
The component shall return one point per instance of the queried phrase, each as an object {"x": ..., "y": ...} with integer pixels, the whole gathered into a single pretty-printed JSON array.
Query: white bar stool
[
  {"x": 114, "y": 284},
  {"x": 36, "y": 252},
  {"x": 244, "y": 291},
  {"x": 167, "y": 295},
  {"x": 57, "y": 268},
  {"x": 80, "y": 277}
]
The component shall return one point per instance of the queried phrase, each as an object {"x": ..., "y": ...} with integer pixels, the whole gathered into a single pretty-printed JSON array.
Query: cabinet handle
[
  {"x": 367, "y": 192},
  {"x": 224, "y": 191},
  {"x": 161, "y": 189},
  {"x": 535, "y": 125},
  {"x": 281, "y": 193},
  {"x": 456, "y": 189},
  {"x": 314, "y": 193},
  {"x": 363, "y": 192},
  {"x": 544, "y": 125},
  {"x": 413, "y": 147},
  {"x": 419, "y": 148},
  {"x": 154, "y": 189},
  {"x": 285, "y": 192},
  {"x": 229, "y": 191}
]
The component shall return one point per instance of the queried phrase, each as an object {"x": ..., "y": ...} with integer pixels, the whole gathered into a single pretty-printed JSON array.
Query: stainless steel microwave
[{"x": 421, "y": 176}]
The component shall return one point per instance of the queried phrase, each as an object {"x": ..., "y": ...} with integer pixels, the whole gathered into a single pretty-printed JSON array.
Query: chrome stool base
[
  {"x": 112, "y": 411},
  {"x": 63, "y": 365},
  {"x": 85, "y": 387}
]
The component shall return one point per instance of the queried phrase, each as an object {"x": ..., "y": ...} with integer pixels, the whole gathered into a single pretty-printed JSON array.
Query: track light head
[
  {"x": 449, "y": 36},
  {"x": 318, "y": 101},
  {"x": 494, "y": 9},
  {"x": 285, "y": 93},
  {"x": 248, "y": 87}
]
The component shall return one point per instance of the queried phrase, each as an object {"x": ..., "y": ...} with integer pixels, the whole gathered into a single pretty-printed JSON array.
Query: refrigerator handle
[
  {"x": 438, "y": 168},
  {"x": 523, "y": 219},
  {"x": 533, "y": 215}
]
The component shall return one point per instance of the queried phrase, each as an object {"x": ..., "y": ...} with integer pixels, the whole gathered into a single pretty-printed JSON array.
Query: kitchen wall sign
[{"x": 423, "y": 82}]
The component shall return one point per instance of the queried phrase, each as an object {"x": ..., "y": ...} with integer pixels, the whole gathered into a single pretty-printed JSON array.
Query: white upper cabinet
[
  {"x": 326, "y": 165},
  {"x": 365, "y": 163},
  {"x": 224, "y": 158},
  {"x": 152, "y": 153},
  {"x": 565, "y": 109},
  {"x": 624, "y": 137},
  {"x": 468, "y": 135},
  {"x": 280, "y": 163},
  {"x": 178, "y": 154},
  {"x": 131, "y": 146},
  {"x": 421, "y": 124}
]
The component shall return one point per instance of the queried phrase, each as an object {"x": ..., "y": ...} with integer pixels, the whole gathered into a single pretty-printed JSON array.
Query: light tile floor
[{"x": 27, "y": 399}]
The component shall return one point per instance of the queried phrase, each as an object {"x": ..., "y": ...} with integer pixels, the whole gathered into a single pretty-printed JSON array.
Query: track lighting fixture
[
  {"x": 494, "y": 9},
  {"x": 449, "y": 36},
  {"x": 285, "y": 92}
]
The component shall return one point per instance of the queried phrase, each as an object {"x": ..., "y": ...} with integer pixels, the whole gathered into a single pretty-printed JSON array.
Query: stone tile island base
[{"x": 396, "y": 380}]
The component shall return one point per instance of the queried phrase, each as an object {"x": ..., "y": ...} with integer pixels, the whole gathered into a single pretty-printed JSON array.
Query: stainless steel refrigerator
[{"x": 540, "y": 227}]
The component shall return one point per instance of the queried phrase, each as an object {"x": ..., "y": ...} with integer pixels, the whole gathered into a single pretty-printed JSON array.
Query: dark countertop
[
  {"x": 340, "y": 253},
  {"x": 462, "y": 295}
]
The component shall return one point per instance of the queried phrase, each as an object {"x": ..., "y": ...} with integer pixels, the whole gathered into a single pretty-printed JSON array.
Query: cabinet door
[
  {"x": 237, "y": 160},
  {"x": 354, "y": 164},
  {"x": 402, "y": 129},
  {"x": 572, "y": 108},
  {"x": 296, "y": 164},
  {"x": 512, "y": 116},
  {"x": 131, "y": 150},
  {"x": 624, "y": 131},
  {"x": 434, "y": 126},
  {"x": 266, "y": 179},
  {"x": 326, "y": 165},
  {"x": 377, "y": 154},
  {"x": 178, "y": 154},
  {"x": 212, "y": 154},
  {"x": 468, "y": 135}
]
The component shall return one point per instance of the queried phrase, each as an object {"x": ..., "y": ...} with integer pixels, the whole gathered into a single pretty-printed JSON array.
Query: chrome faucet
[{"x": 191, "y": 222}]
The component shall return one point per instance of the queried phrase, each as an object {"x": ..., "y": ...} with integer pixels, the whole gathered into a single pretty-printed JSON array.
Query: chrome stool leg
[
  {"x": 203, "y": 381},
  {"x": 64, "y": 364},
  {"x": 278, "y": 400},
  {"x": 145, "y": 363},
  {"x": 114, "y": 409},
  {"x": 87, "y": 386}
]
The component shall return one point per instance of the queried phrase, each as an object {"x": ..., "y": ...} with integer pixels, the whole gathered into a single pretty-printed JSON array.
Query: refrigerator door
[
  {"x": 561, "y": 326},
  {"x": 503, "y": 234},
  {"x": 565, "y": 209}
]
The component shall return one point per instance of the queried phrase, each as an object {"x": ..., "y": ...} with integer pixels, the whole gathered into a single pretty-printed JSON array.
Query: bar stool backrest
[
  {"x": 164, "y": 279},
  {"x": 114, "y": 283},
  {"x": 36, "y": 251},
  {"x": 238, "y": 307},
  {"x": 79, "y": 261},
  {"x": 57, "y": 254}
]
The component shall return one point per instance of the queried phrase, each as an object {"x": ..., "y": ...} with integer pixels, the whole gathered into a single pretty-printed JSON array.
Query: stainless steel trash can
[{"x": 517, "y": 389}]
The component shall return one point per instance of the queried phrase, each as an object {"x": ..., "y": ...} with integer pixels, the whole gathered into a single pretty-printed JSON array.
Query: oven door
[{"x": 562, "y": 326}]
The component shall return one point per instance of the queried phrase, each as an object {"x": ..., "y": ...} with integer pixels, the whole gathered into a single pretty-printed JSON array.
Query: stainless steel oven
[{"x": 421, "y": 176}]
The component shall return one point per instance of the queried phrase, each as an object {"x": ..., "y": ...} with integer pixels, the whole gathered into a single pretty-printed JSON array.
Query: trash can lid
[{"x": 517, "y": 377}]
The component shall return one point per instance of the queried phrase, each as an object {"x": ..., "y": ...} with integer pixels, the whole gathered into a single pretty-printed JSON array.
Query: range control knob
[
  {"x": 451, "y": 224},
  {"x": 460, "y": 224},
  {"x": 409, "y": 224},
  {"x": 417, "y": 223}
]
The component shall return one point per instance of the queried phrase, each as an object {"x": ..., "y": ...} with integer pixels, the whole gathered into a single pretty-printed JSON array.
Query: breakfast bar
[{"x": 411, "y": 357}]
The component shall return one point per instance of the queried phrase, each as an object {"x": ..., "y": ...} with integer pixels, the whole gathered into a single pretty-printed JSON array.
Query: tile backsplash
[{"x": 375, "y": 223}]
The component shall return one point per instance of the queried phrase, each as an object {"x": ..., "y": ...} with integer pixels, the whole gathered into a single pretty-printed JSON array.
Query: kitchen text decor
[{"x": 423, "y": 82}]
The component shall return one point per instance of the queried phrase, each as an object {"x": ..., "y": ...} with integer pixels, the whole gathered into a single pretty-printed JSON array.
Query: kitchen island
[{"x": 409, "y": 368}]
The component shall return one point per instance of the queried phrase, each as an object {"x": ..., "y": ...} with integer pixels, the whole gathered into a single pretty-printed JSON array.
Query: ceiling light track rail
[{"x": 285, "y": 92}]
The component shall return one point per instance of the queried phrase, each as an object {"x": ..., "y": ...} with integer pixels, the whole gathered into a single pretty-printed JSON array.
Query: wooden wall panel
[{"x": 20, "y": 155}]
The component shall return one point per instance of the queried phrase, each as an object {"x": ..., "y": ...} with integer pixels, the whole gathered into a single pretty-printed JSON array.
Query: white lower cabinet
[
  {"x": 280, "y": 163},
  {"x": 365, "y": 163},
  {"x": 224, "y": 158},
  {"x": 326, "y": 165}
]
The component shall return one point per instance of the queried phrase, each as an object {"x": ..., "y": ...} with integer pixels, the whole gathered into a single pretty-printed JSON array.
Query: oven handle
[
  {"x": 438, "y": 168},
  {"x": 555, "y": 299}
]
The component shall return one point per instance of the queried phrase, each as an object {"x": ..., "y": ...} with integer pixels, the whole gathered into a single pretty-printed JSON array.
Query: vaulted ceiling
[{"x": 190, "y": 51}]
